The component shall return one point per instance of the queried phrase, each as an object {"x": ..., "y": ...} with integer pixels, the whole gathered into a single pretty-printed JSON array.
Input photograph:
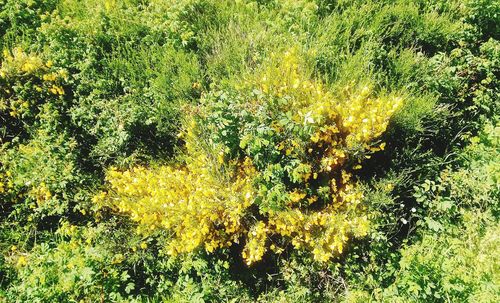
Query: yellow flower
[
  {"x": 117, "y": 259},
  {"x": 22, "y": 261}
]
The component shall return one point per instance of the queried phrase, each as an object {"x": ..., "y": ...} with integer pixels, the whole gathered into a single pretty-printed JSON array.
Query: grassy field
[{"x": 249, "y": 151}]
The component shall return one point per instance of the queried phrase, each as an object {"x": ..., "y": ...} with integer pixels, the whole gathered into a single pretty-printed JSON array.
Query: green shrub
[
  {"x": 44, "y": 174},
  {"x": 134, "y": 107},
  {"x": 454, "y": 216},
  {"x": 79, "y": 269},
  {"x": 19, "y": 20},
  {"x": 459, "y": 264},
  {"x": 466, "y": 82},
  {"x": 484, "y": 15}
]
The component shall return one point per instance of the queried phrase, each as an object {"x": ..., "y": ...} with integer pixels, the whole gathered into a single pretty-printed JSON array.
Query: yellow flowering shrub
[
  {"x": 19, "y": 62},
  {"x": 26, "y": 81},
  {"x": 269, "y": 162},
  {"x": 189, "y": 201}
]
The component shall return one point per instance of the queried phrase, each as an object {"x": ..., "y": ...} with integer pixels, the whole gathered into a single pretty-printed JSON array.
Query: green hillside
[{"x": 249, "y": 151}]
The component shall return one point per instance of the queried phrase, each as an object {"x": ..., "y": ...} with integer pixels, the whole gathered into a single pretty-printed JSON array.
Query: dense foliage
[{"x": 241, "y": 151}]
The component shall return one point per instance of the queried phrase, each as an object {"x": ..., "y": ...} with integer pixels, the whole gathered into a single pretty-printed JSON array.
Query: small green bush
[{"x": 459, "y": 264}]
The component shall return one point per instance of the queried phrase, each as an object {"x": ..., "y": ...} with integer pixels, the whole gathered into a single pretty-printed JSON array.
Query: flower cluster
[
  {"x": 18, "y": 62},
  {"x": 196, "y": 207},
  {"x": 255, "y": 243},
  {"x": 324, "y": 232},
  {"x": 41, "y": 193},
  {"x": 25, "y": 81},
  {"x": 269, "y": 162}
]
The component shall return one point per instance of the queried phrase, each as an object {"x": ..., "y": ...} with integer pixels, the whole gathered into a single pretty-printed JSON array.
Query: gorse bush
[
  {"x": 28, "y": 85},
  {"x": 204, "y": 211},
  {"x": 291, "y": 150}
]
